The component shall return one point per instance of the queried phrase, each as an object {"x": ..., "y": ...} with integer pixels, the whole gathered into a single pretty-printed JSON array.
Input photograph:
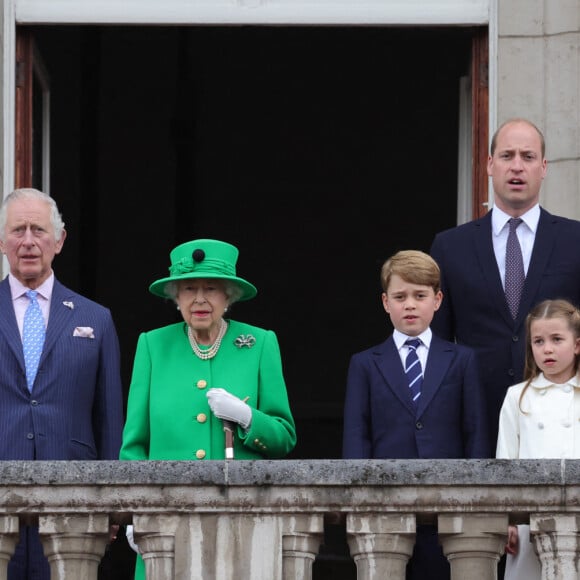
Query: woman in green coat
[{"x": 194, "y": 378}]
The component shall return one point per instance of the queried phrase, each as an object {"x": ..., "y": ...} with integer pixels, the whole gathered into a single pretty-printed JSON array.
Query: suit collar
[
  {"x": 399, "y": 338},
  {"x": 488, "y": 266},
  {"x": 544, "y": 243},
  {"x": 389, "y": 364},
  {"x": 440, "y": 356},
  {"x": 18, "y": 289},
  {"x": 60, "y": 315},
  {"x": 8, "y": 324},
  {"x": 499, "y": 219},
  {"x": 546, "y": 235}
]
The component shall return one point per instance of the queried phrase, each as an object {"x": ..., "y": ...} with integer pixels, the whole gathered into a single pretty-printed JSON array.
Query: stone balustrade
[{"x": 265, "y": 520}]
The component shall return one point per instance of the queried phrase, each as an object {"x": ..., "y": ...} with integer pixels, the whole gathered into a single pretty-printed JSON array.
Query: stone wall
[
  {"x": 539, "y": 78},
  {"x": 264, "y": 520}
]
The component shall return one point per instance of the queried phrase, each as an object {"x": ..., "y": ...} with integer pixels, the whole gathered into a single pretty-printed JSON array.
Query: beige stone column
[
  {"x": 380, "y": 544},
  {"x": 9, "y": 529},
  {"x": 155, "y": 536},
  {"x": 473, "y": 544},
  {"x": 74, "y": 544},
  {"x": 301, "y": 538},
  {"x": 557, "y": 541}
]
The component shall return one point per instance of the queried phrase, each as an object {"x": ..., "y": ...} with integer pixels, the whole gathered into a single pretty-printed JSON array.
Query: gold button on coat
[
  {"x": 202, "y": 417},
  {"x": 200, "y": 453},
  {"x": 201, "y": 384}
]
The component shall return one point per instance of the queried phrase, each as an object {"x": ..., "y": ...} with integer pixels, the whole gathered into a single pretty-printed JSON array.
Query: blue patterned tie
[
  {"x": 33, "y": 333},
  {"x": 413, "y": 369},
  {"x": 514, "y": 268}
]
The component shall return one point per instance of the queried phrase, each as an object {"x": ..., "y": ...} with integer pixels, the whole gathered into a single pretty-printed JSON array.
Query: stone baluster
[
  {"x": 557, "y": 541},
  {"x": 473, "y": 544},
  {"x": 380, "y": 544},
  {"x": 155, "y": 536},
  {"x": 301, "y": 539},
  {"x": 9, "y": 527},
  {"x": 74, "y": 544}
]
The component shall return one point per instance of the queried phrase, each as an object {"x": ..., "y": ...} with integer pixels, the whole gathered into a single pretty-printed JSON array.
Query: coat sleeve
[
  {"x": 137, "y": 429},
  {"x": 475, "y": 424},
  {"x": 272, "y": 431},
  {"x": 508, "y": 441},
  {"x": 356, "y": 439},
  {"x": 108, "y": 407}
]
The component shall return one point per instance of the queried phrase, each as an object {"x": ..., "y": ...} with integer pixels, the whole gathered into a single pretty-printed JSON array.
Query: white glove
[
  {"x": 227, "y": 406},
  {"x": 131, "y": 539}
]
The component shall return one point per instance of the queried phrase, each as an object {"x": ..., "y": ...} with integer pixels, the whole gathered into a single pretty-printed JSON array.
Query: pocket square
[{"x": 84, "y": 332}]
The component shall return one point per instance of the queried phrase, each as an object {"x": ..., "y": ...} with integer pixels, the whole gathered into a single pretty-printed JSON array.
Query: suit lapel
[
  {"x": 438, "y": 361},
  {"x": 59, "y": 316},
  {"x": 541, "y": 252},
  {"x": 489, "y": 269},
  {"x": 389, "y": 364},
  {"x": 8, "y": 324}
]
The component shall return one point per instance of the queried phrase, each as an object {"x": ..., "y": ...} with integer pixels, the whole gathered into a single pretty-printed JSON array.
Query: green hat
[{"x": 204, "y": 259}]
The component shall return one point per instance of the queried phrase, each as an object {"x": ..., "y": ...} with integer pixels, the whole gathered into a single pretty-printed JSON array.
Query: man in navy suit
[
  {"x": 74, "y": 408},
  {"x": 386, "y": 417},
  {"x": 472, "y": 261}
]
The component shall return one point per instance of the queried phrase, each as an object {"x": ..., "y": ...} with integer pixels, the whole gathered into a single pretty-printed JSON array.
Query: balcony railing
[{"x": 264, "y": 520}]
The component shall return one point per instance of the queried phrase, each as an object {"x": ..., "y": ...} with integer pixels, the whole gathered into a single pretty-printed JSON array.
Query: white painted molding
[
  {"x": 493, "y": 34},
  {"x": 184, "y": 12},
  {"x": 8, "y": 99},
  {"x": 8, "y": 92}
]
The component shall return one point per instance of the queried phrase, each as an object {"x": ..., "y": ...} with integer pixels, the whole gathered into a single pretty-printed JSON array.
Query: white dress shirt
[
  {"x": 21, "y": 301},
  {"x": 422, "y": 350},
  {"x": 526, "y": 233}
]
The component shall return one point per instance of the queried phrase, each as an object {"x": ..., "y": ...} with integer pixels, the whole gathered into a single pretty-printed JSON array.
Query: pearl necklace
[{"x": 213, "y": 349}]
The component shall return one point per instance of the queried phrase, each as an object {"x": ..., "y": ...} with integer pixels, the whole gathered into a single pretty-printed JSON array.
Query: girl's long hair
[{"x": 546, "y": 310}]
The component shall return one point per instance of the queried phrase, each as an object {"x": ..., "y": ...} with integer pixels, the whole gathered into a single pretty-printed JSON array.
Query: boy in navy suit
[{"x": 433, "y": 410}]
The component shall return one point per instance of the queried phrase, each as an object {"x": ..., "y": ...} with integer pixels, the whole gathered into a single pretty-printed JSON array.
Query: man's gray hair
[{"x": 30, "y": 193}]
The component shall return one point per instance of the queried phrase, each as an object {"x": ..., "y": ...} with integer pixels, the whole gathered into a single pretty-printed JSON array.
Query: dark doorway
[{"x": 318, "y": 151}]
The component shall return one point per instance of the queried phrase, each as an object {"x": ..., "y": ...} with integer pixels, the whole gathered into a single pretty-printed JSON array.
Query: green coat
[{"x": 168, "y": 416}]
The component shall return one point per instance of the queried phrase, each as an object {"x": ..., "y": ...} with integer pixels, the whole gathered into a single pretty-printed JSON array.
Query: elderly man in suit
[
  {"x": 472, "y": 258},
  {"x": 68, "y": 403}
]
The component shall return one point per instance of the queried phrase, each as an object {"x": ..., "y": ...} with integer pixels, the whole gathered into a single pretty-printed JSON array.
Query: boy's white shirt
[{"x": 422, "y": 352}]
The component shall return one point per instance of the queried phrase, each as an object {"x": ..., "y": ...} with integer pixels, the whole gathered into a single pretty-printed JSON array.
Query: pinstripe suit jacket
[{"x": 75, "y": 410}]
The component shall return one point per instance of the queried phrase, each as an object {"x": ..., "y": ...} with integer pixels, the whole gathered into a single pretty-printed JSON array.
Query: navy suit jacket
[
  {"x": 474, "y": 310},
  {"x": 75, "y": 411},
  {"x": 381, "y": 422}
]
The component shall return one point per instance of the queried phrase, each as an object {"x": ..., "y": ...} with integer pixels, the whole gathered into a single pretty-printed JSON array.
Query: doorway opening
[{"x": 318, "y": 151}]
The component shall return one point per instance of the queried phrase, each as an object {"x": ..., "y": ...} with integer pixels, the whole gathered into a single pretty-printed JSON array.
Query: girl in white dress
[{"x": 539, "y": 418}]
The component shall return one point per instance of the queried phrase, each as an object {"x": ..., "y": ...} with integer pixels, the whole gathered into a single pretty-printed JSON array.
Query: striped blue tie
[
  {"x": 413, "y": 369},
  {"x": 33, "y": 332}
]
